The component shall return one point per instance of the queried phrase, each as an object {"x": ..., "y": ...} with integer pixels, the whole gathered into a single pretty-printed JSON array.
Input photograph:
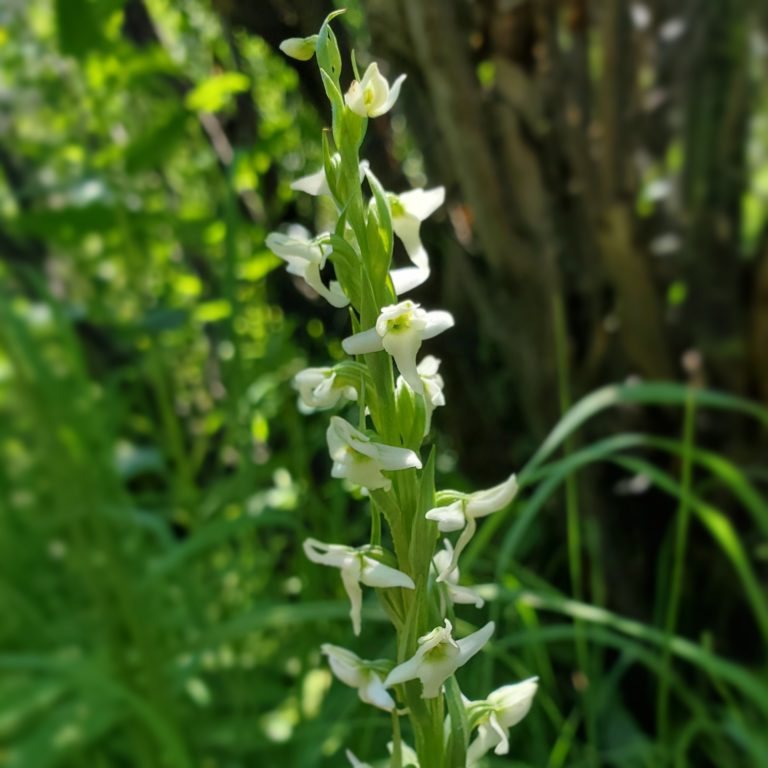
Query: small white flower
[
  {"x": 408, "y": 211},
  {"x": 502, "y": 710},
  {"x": 305, "y": 258},
  {"x": 318, "y": 389},
  {"x": 433, "y": 387},
  {"x": 438, "y": 657},
  {"x": 464, "y": 510},
  {"x": 317, "y": 184},
  {"x": 456, "y": 594},
  {"x": 357, "y": 567},
  {"x": 366, "y": 676},
  {"x": 372, "y": 96},
  {"x": 360, "y": 460},
  {"x": 354, "y": 762},
  {"x": 400, "y": 330},
  {"x": 301, "y": 48}
]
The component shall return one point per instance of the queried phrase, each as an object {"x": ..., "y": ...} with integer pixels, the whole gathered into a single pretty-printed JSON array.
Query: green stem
[{"x": 678, "y": 566}]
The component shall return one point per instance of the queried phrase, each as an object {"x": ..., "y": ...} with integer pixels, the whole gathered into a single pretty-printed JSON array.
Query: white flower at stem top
[
  {"x": 372, "y": 95},
  {"x": 464, "y": 510},
  {"x": 502, "y": 710},
  {"x": 433, "y": 387},
  {"x": 305, "y": 258},
  {"x": 438, "y": 657},
  {"x": 318, "y": 389},
  {"x": 358, "y": 459},
  {"x": 400, "y": 329},
  {"x": 458, "y": 595},
  {"x": 366, "y": 676},
  {"x": 357, "y": 567}
]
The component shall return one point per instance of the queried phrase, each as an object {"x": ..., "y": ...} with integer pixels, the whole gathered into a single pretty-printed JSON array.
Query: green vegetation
[{"x": 156, "y": 479}]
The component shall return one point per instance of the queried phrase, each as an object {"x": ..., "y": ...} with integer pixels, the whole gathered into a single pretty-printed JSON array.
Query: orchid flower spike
[
  {"x": 317, "y": 184},
  {"x": 456, "y": 594},
  {"x": 366, "y": 676},
  {"x": 318, "y": 389},
  {"x": 502, "y": 710},
  {"x": 372, "y": 96},
  {"x": 433, "y": 383},
  {"x": 464, "y": 510},
  {"x": 400, "y": 330},
  {"x": 360, "y": 460},
  {"x": 438, "y": 657},
  {"x": 305, "y": 258},
  {"x": 408, "y": 211},
  {"x": 357, "y": 567}
]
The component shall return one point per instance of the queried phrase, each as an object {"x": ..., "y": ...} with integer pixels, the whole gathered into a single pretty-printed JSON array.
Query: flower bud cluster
[{"x": 417, "y": 582}]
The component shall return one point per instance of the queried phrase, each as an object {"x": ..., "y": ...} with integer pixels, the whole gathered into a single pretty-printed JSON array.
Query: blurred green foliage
[{"x": 156, "y": 479}]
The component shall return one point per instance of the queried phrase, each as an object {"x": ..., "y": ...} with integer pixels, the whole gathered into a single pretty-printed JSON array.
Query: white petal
[
  {"x": 437, "y": 322},
  {"x": 422, "y": 203},
  {"x": 449, "y": 518},
  {"x": 376, "y": 574},
  {"x": 375, "y": 693},
  {"x": 344, "y": 664},
  {"x": 362, "y": 343},
  {"x": 503, "y": 746},
  {"x": 471, "y": 644},
  {"x": 485, "y": 740},
  {"x": 352, "y": 586},
  {"x": 429, "y": 366},
  {"x": 394, "y": 92},
  {"x": 407, "y": 278},
  {"x": 407, "y": 228},
  {"x": 403, "y": 346},
  {"x": 312, "y": 184},
  {"x": 514, "y": 701},
  {"x": 392, "y": 458},
  {"x": 334, "y": 555},
  {"x": 408, "y": 670},
  {"x": 464, "y": 595},
  {"x": 464, "y": 539},
  {"x": 355, "y": 99},
  {"x": 494, "y": 499}
]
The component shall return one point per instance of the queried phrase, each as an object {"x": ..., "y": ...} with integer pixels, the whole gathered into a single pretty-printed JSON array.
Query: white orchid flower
[
  {"x": 502, "y": 710},
  {"x": 458, "y": 595},
  {"x": 357, "y": 567},
  {"x": 433, "y": 387},
  {"x": 464, "y": 510},
  {"x": 366, "y": 676},
  {"x": 305, "y": 258},
  {"x": 409, "y": 209},
  {"x": 354, "y": 762},
  {"x": 317, "y": 184},
  {"x": 438, "y": 657},
  {"x": 300, "y": 48},
  {"x": 372, "y": 95},
  {"x": 400, "y": 330},
  {"x": 318, "y": 389},
  {"x": 360, "y": 460}
]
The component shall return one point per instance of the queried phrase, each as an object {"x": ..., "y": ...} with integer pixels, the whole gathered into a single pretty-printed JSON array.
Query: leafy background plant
[{"x": 156, "y": 478}]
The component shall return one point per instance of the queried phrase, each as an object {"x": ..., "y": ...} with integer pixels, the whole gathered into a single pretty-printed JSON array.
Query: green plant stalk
[
  {"x": 574, "y": 526},
  {"x": 682, "y": 521}
]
